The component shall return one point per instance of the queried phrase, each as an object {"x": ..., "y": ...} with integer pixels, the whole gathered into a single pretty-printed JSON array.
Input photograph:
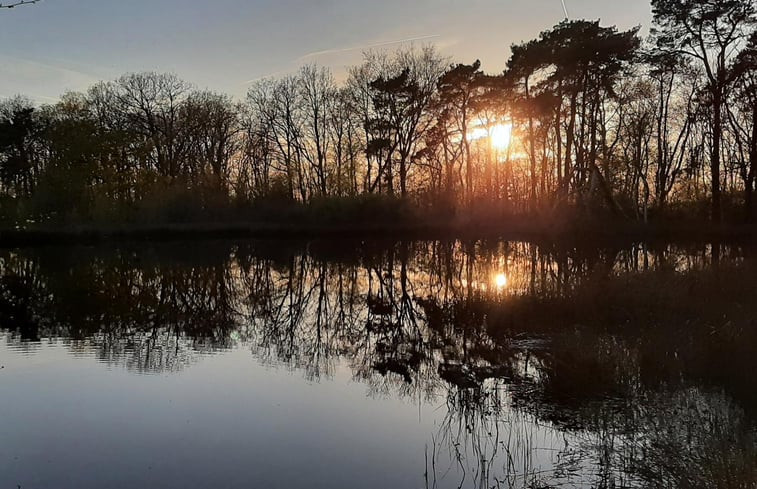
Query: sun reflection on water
[{"x": 501, "y": 282}]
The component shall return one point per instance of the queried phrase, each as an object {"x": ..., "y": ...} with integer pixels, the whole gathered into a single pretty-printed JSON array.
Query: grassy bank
[
  {"x": 516, "y": 229},
  {"x": 366, "y": 218}
]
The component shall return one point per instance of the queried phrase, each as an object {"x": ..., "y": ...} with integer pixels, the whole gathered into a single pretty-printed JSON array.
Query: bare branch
[{"x": 18, "y": 3}]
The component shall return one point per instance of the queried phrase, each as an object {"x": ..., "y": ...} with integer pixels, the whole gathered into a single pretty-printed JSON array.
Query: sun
[
  {"x": 501, "y": 136},
  {"x": 500, "y": 280}
]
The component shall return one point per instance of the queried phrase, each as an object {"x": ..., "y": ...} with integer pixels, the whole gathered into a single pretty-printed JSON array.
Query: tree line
[{"x": 586, "y": 120}]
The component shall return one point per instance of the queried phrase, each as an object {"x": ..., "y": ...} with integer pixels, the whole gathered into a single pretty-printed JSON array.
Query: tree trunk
[
  {"x": 717, "y": 135},
  {"x": 569, "y": 145},
  {"x": 532, "y": 146},
  {"x": 749, "y": 183}
]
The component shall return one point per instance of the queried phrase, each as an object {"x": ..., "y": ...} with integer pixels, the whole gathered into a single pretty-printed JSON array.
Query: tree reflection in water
[{"x": 557, "y": 365}]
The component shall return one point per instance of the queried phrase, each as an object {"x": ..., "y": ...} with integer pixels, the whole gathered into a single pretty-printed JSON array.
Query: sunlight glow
[
  {"x": 501, "y": 136},
  {"x": 501, "y": 281},
  {"x": 477, "y": 133}
]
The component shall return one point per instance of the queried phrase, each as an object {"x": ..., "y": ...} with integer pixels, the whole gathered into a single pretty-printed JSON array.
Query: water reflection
[{"x": 555, "y": 366}]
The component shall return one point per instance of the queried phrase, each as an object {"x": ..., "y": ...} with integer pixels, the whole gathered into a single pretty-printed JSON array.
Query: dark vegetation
[{"x": 588, "y": 126}]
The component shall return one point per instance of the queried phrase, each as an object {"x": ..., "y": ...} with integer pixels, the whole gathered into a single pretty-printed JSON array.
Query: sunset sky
[{"x": 60, "y": 45}]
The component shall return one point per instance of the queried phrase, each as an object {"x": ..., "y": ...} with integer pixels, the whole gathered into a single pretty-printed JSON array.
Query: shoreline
[{"x": 507, "y": 230}]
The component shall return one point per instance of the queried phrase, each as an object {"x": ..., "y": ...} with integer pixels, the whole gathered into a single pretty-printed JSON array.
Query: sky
[{"x": 61, "y": 45}]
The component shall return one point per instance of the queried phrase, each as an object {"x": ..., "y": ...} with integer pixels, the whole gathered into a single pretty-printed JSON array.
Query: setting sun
[{"x": 501, "y": 136}]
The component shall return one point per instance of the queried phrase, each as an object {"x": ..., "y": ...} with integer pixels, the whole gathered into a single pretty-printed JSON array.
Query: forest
[{"x": 587, "y": 122}]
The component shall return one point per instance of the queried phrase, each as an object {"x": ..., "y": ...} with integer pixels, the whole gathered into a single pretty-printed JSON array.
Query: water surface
[{"x": 415, "y": 364}]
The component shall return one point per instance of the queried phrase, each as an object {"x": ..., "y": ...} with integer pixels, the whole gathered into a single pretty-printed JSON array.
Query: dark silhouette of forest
[{"x": 587, "y": 123}]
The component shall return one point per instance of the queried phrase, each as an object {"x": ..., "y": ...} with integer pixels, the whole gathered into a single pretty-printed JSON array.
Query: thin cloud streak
[
  {"x": 269, "y": 75},
  {"x": 48, "y": 66},
  {"x": 365, "y": 46},
  {"x": 39, "y": 77},
  {"x": 327, "y": 52}
]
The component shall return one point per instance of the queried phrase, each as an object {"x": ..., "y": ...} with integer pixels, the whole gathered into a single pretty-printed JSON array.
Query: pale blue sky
[{"x": 60, "y": 45}]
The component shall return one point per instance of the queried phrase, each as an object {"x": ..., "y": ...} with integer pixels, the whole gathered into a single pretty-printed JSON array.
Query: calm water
[{"x": 405, "y": 365}]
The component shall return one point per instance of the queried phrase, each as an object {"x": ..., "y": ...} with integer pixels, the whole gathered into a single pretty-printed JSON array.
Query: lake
[{"x": 437, "y": 364}]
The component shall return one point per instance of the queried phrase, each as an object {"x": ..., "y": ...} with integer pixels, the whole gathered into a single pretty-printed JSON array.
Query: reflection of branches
[
  {"x": 151, "y": 319},
  {"x": 483, "y": 441},
  {"x": 532, "y": 399}
]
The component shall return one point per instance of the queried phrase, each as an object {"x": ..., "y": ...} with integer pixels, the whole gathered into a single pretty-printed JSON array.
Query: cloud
[
  {"x": 40, "y": 81},
  {"x": 269, "y": 75},
  {"x": 296, "y": 63},
  {"x": 326, "y": 52}
]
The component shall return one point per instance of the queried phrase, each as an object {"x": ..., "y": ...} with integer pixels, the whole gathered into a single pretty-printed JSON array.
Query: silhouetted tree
[
  {"x": 458, "y": 88},
  {"x": 706, "y": 31},
  {"x": 743, "y": 117},
  {"x": 582, "y": 62},
  {"x": 401, "y": 100},
  {"x": 20, "y": 130}
]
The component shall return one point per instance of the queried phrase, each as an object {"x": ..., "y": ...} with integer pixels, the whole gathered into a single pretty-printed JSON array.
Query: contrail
[
  {"x": 367, "y": 46},
  {"x": 565, "y": 9},
  {"x": 269, "y": 75},
  {"x": 345, "y": 50}
]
